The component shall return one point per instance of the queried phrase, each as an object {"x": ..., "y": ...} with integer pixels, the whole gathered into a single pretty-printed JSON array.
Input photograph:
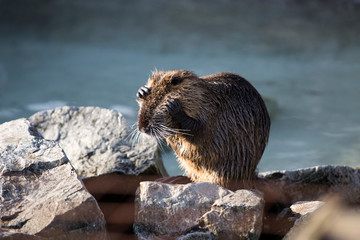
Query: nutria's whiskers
[
  {"x": 171, "y": 131},
  {"x": 133, "y": 136}
]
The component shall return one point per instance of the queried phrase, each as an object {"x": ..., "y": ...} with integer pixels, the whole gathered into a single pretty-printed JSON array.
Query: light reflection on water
[{"x": 303, "y": 56}]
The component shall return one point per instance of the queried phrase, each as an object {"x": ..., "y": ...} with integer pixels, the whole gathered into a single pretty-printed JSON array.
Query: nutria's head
[{"x": 184, "y": 86}]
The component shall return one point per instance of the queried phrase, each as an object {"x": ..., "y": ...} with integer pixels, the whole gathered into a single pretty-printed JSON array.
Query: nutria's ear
[{"x": 176, "y": 80}]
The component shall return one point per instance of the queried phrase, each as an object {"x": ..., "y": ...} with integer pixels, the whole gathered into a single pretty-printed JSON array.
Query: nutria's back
[{"x": 218, "y": 125}]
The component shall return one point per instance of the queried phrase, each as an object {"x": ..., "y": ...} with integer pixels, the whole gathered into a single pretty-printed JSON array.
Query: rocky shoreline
[{"x": 73, "y": 172}]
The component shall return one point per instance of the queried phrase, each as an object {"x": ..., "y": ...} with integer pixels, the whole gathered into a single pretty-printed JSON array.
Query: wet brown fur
[{"x": 234, "y": 124}]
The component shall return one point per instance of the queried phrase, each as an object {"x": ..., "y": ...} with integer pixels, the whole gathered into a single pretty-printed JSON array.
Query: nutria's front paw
[
  {"x": 143, "y": 91},
  {"x": 173, "y": 106},
  {"x": 185, "y": 122}
]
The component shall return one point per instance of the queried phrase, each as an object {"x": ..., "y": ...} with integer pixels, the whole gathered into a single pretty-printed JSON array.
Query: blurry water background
[{"x": 302, "y": 55}]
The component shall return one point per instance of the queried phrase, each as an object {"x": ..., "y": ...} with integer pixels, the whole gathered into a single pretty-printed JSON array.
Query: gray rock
[
  {"x": 196, "y": 210},
  {"x": 313, "y": 183},
  {"x": 97, "y": 141},
  {"x": 172, "y": 210},
  {"x": 236, "y": 216},
  {"x": 41, "y": 194}
]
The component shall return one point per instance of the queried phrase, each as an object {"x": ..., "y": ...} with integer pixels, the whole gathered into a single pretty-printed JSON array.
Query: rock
[
  {"x": 100, "y": 147},
  {"x": 97, "y": 141},
  {"x": 8, "y": 234},
  {"x": 313, "y": 183},
  {"x": 305, "y": 207},
  {"x": 172, "y": 210},
  {"x": 41, "y": 194},
  {"x": 236, "y": 216},
  {"x": 197, "y": 236},
  {"x": 196, "y": 211},
  {"x": 307, "y": 186},
  {"x": 288, "y": 217},
  {"x": 334, "y": 220}
]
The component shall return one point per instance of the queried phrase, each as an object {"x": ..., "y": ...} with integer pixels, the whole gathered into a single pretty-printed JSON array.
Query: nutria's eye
[{"x": 176, "y": 80}]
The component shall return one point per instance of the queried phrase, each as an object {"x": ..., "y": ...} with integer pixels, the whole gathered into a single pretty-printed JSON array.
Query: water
[{"x": 303, "y": 55}]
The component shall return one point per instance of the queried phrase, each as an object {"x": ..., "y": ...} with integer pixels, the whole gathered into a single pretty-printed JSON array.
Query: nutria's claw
[
  {"x": 173, "y": 106},
  {"x": 143, "y": 91}
]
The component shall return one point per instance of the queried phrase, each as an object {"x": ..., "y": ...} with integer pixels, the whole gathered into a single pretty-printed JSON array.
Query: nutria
[{"x": 218, "y": 125}]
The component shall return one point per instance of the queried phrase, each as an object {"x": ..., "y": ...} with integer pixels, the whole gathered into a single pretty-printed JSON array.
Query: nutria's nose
[{"x": 143, "y": 125}]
